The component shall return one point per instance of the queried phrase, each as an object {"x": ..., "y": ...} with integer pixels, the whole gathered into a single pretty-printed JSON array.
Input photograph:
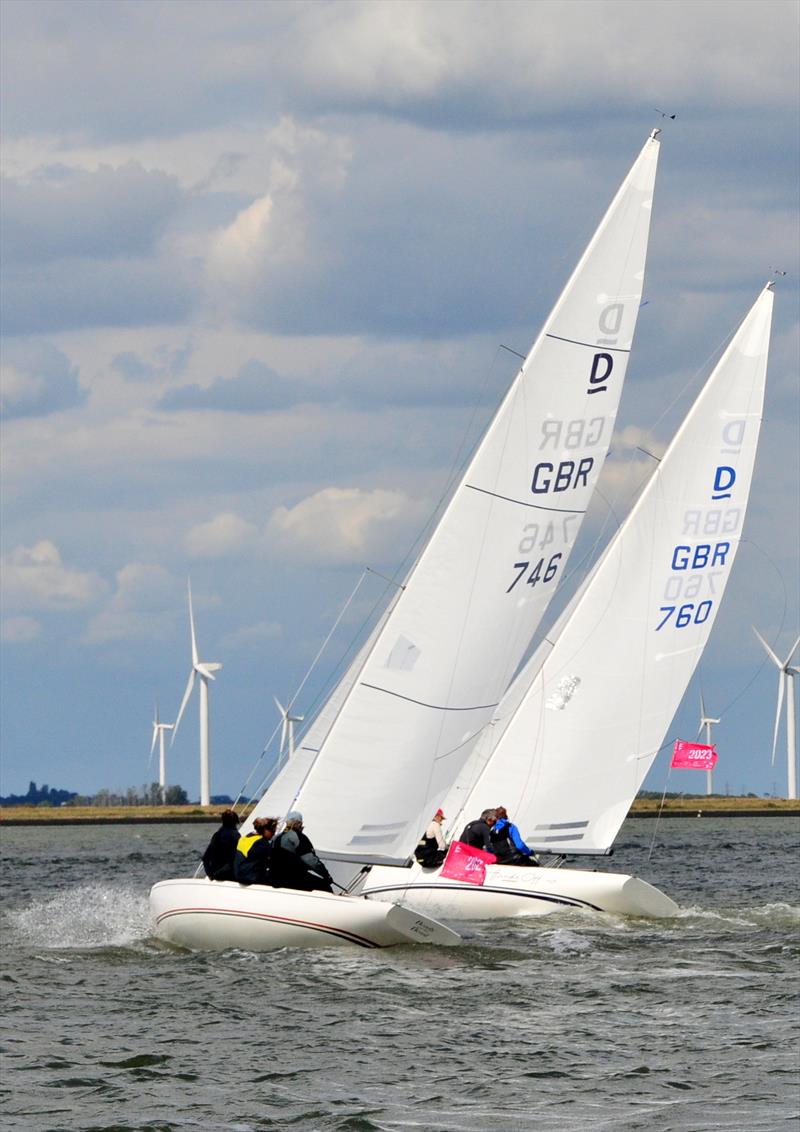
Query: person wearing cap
[
  {"x": 294, "y": 862},
  {"x": 221, "y": 850},
  {"x": 478, "y": 833},
  {"x": 507, "y": 843},
  {"x": 432, "y": 846},
  {"x": 253, "y": 853}
]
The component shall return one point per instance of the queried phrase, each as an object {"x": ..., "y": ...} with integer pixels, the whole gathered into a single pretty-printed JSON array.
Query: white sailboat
[
  {"x": 406, "y": 718},
  {"x": 580, "y": 727}
]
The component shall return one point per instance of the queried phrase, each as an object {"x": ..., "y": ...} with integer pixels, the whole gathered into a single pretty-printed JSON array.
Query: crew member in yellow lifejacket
[{"x": 251, "y": 863}]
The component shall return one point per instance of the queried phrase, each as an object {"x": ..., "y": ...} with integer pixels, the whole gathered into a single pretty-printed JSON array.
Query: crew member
[
  {"x": 478, "y": 833},
  {"x": 432, "y": 846},
  {"x": 221, "y": 850},
  {"x": 295, "y": 863},
  {"x": 507, "y": 843},
  {"x": 252, "y": 861}
]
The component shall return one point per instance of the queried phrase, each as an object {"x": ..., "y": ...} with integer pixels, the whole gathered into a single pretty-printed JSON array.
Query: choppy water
[{"x": 571, "y": 1022}]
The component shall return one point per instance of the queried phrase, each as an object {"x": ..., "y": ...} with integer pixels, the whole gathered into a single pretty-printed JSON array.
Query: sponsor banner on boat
[
  {"x": 463, "y": 862},
  {"x": 693, "y": 756}
]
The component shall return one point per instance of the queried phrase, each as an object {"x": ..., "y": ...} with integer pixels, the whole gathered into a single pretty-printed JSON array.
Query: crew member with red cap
[{"x": 431, "y": 847}]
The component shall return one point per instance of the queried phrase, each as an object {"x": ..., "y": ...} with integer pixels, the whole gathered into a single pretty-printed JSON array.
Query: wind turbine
[
  {"x": 158, "y": 734},
  {"x": 707, "y": 721},
  {"x": 786, "y": 674},
  {"x": 204, "y": 669},
  {"x": 287, "y": 726}
]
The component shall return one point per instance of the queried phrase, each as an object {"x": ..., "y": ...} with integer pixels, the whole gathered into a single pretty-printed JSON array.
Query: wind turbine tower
[
  {"x": 158, "y": 735},
  {"x": 707, "y": 722},
  {"x": 786, "y": 674},
  {"x": 205, "y": 670}
]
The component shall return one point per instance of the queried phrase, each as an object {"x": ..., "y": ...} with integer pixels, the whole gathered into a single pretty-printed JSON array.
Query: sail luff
[
  {"x": 590, "y": 718},
  {"x": 438, "y": 668}
]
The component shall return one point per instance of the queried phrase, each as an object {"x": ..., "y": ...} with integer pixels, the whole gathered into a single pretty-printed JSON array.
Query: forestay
[
  {"x": 438, "y": 667},
  {"x": 581, "y": 725}
]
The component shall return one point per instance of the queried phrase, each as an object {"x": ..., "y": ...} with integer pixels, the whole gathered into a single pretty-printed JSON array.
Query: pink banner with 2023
[{"x": 693, "y": 756}]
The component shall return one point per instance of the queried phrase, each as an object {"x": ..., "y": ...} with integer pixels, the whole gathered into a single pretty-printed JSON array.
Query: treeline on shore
[{"x": 146, "y": 795}]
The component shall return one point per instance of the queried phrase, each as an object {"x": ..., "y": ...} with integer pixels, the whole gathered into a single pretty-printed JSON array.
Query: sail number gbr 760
[{"x": 698, "y": 559}]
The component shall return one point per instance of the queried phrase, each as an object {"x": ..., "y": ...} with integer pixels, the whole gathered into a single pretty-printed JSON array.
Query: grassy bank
[{"x": 642, "y": 807}]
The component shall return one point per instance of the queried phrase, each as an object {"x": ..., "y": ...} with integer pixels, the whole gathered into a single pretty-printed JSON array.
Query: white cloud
[
  {"x": 20, "y": 630},
  {"x": 251, "y": 636},
  {"x": 143, "y": 607},
  {"x": 344, "y": 525},
  {"x": 35, "y": 578},
  {"x": 220, "y": 537}
]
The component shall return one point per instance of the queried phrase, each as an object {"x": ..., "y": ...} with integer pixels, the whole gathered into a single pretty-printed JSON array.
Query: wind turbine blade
[
  {"x": 781, "y": 690},
  {"x": 792, "y": 651},
  {"x": 184, "y": 702},
  {"x": 770, "y": 653},
  {"x": 195, "y": 656},
  {"x": 702, "y": 708},
  {"x": 153, "y": 744},
  {"x": 205, "y": 670}
]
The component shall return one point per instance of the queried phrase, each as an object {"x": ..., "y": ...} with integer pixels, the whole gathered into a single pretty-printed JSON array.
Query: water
[{"x": 573, "y": 1022}]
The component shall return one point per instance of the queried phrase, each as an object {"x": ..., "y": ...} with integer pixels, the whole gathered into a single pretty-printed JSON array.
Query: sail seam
[
  {"x": 589, "y": 345},
  {"x": 421, "y": 703},
  {"x": 522, "y": 503}
]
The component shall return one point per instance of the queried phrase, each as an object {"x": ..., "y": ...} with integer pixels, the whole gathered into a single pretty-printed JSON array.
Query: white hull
[
  {"x": 509, "y": 892},
  {"x": 209, "y": 915}
]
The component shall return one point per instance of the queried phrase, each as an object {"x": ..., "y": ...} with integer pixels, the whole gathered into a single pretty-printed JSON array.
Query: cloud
[
  {"x": 220, "y": 537},
  {"x": 142, "y": 607},
  {"x": 107, "y": 213},
  {"x": 344, "y": 525},
  {"x": 167, "y": 363},
  {"x": 252, "y": 636},
  {"x": 255, "y": 388},
  {"x": 36, "y": 379},
  {"x": 20, "y": 630},
  {"x": 35, "y": 578}
]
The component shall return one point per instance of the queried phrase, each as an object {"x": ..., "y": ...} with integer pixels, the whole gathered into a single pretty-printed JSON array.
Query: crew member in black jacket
[
  {"x": 221, "y": 850},
  {"x": 478, "y": 833},
  {"x": 294, "y": 862},
  {"x": 253, "y": 853}
]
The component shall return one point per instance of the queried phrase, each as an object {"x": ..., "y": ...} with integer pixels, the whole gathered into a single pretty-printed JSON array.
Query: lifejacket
[{"x": 249, "y": 866}]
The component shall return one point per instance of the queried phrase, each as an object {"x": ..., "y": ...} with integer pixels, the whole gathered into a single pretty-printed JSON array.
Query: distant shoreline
[{"x": 687, "y": 807}]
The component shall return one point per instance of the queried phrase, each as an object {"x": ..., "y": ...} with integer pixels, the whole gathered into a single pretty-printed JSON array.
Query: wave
[{"x": 88, "y": 916}]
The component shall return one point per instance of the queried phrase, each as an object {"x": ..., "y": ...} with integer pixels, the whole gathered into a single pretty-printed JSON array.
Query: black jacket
[
  {"x": 252, "y": 861},
  {"x": 219, "y": 855},
  {"x": 478, "y": 835},
  {"x": 295, "y": 864}
]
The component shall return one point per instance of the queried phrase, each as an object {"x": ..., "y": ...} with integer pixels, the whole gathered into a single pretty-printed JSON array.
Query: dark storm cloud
[{"x": 38, "y": 379}]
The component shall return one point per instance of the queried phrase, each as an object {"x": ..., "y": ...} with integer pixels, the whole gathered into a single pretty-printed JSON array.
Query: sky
[{"x": 257, "y": 262}]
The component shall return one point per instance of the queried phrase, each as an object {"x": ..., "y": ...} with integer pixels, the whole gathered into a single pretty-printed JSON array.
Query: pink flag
[
  {"x": 693, "y": 756},
  {"x": 463, "y": 862}
]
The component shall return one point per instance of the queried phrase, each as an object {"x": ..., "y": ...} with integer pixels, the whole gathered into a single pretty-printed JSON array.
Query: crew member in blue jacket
[{"x": 507, "y": 843}]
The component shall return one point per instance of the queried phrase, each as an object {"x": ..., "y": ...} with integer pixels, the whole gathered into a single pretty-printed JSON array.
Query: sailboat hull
[
  {"x": 209, "y": 915},
  {"x": 508, "y": 892}
]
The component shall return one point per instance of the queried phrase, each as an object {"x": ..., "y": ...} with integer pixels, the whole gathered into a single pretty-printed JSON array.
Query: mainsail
[
  {"x": 582, "y": 723},
  {"x": 451, "y": 642}
]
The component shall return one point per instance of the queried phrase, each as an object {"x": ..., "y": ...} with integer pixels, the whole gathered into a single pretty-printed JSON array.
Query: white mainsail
[
  {"x": 458, "y": 630},
  {"x": 581, "y": 724}
]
